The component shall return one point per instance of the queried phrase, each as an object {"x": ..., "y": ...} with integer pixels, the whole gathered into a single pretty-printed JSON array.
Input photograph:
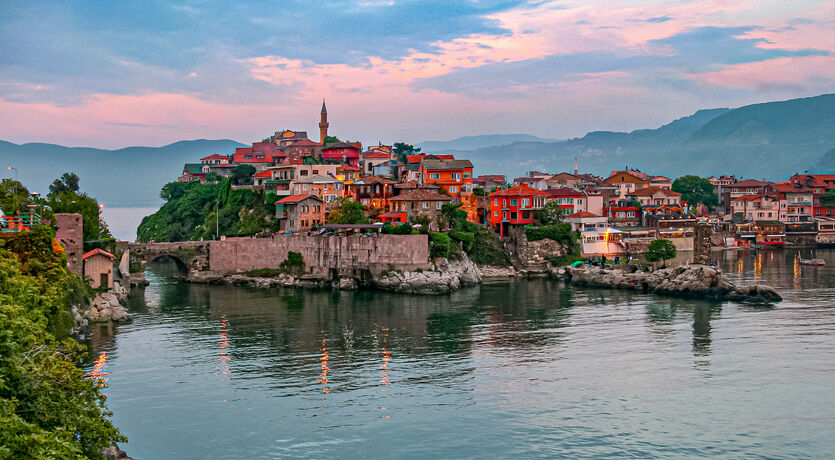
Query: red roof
[
  {"x": 563, "y": 191},
  {"x": 392, "y": 214},
  {"x": 520, "y": 190},
  {"x": 263, "y": 174},
  {"x": 375, "y": 155},
  {"x": 305, "y": 143},
  {"x": 215, "y": 157},
  {"x": 87, "y": 255},
  {"x": 747, "y": 183},
  {"x": 582, "y": 214},
  {"x": 296, "y": 199}
]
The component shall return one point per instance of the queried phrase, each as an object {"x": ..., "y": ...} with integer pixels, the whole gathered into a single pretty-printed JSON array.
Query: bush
[
  {"x": 465, "y": 237},
  {"x": 265, "y": 272},
  {"x": 439, "y": 245},
  {"x": 294, "y": 264},
  {"x": 660, "y": 250}
]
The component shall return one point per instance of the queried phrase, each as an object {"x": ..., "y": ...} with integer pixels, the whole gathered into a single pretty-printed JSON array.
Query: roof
[
  {"x": 305, "y": 143},
  {"x": 581, "y": 215},
  {"x": 317, "y": 179},
  {"x": 493, "y": 177},
  {"x": 343, "y": 145},
  {"x": 392, "y": 214},
  {"x": 650, "y": 191},
  {"x": 562, "y": 191},
  {"x": 373, "y": 154},
  {"x": 791, "y": 188},
  {"x": 420, "y": 195},
  {"x": 748, "y": 183},
  {"x": 263, "y": 174},
  {"x": 296, "y": 198},
  {"x": 520, "y": 190},
  {"x": 406, "y": 185},
  {"x": 193, "y": 168},
  {"x": 446, "y": 164},
  {"x": 97, "y": 251},
  {"x": 368, "y": 180},
  {"x": 347, "y": 167},
  {"x": 215, "y": 156},
  {"x": 631, "y": 172}
]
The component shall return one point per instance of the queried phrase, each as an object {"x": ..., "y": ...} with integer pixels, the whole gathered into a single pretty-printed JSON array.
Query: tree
[
  {"x": 660, "y": 250},
  {"x": 88, "y": 207},
  {"x": 348, "y": 212},
  {"x": 13, "y": 196},
  {"x": 696, "y": 190},
  {"x": 551, "y": 214},
  {"x": 67, "y": 183},
  {"x": 242, "y": 174},
  {"x": 828, "y": 198},
  {"x": 330, "y": 140},
  {"x": 401, "y": 149}
]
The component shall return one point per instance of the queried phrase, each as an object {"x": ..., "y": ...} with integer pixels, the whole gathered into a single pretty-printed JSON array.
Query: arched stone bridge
[{"x": 190, "y": 256}]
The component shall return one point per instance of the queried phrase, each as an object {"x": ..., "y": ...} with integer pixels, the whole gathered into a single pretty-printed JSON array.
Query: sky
[{"x": 114, "y": 74}]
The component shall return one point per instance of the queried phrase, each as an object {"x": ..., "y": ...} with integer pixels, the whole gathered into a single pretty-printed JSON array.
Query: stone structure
[
  {"x": 325, "y": 257},
  {"x": 532, "y": 256},
  {"x": 702, "y": 243},
  {"x": 71, "y": 234}
]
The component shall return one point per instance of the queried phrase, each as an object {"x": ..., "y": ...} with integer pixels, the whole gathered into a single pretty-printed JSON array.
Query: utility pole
[{"x": 217, "y": 220}]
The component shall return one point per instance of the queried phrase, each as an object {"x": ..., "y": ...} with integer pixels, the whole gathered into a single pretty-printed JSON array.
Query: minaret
[
  {"x": 323, "y": 124},
  {"x": 576, "y": 168}
]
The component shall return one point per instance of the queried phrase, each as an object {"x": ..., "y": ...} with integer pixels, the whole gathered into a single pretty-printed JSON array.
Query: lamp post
[{"x": 15, "y": 171}]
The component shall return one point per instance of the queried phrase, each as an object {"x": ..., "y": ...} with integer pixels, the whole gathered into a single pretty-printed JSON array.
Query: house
[
  {"x": 373, "y": 158},
  {"x": 420, "y": 203},
  {"x": 342, "y": 152},
  {"x": 372, "y": 191},
  {"x": 394, "y": 217},
  {"x": 287, "y": 137},
  {"x": 656, "y": 196},
  {"x": 559, "y": 180},
  {"x": 300, "y": 213},
  {"x": 624, "y": 213},
  {"x": 329, "y": 189},
  {"x": 215, "y": 159},
  {"x": 740, "y": 188},
  {"x": 584, "y": 221},
  {"x": 411, "y": 169},
  {"x": 453, "y": 176},
  {"x": 385, "y": 168},
  {"x": 626, "y": 182},
  {"x": 260, "y": 160},
  {"x": 98, "y": 265},
  {"x": 304, "y": 148},
  {"x": 490, "y": 181},
  {"x": 192, "y": 172},
  {"x": 515, "y": 206},
  {"x": 799, "y": 201},
  {"x": 750, "y": 208}
]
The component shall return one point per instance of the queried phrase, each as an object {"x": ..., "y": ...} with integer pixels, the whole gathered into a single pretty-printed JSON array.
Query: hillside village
[{"x": 619, "y": 214}]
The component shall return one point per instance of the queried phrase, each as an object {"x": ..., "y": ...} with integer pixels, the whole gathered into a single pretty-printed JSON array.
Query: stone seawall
[{"x": 324, "y": 256}]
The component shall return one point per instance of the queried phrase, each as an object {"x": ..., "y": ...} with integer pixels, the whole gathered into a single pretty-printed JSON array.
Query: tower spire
[
  {"x": 323, "y": 124},
  {"x": 576, "y": 168}
]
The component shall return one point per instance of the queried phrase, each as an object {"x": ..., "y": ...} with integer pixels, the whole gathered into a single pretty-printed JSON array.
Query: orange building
[{"x": 455, "y": 178}]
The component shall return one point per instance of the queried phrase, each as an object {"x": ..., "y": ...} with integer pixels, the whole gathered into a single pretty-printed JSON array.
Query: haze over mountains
[{"x": 770, "y": 140}]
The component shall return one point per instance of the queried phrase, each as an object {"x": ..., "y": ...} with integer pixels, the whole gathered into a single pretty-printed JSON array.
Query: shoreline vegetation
[{"x": 48, "y": 407}]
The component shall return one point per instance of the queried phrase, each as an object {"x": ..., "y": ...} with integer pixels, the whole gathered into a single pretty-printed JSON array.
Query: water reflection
[
  {"x": 225, "y": 355},
  {"x": 98, "y": 374}
]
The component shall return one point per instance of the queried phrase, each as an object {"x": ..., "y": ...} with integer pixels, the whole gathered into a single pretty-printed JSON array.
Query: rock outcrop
[
  {"x": 109, "y": 306},
  {"x": 446, "y": 277},
  {"x": 699, "y": 281},
  {"x": 496, "y": 272}
]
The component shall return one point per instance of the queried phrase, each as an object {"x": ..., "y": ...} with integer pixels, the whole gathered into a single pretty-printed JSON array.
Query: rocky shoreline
[
  {"x": 105, "y": 306},
  {"x": 693, "y": 281}
]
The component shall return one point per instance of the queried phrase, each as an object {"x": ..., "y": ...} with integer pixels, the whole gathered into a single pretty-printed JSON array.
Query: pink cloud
[{"x": 786, "y": 71}]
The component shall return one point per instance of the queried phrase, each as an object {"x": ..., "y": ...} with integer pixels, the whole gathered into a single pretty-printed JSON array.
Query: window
[
  {"x": 513, "y": 201},
  {"x": 303, "y": 172},
  {"x": 579, "y": 201},
  {"x": 438, "y": 206},
  {"x": 495, "y": 201},
  {"x": 315, "y": 171},
  {"x": 495, "y": 213},
  {"x": 504, "y": 203},
  {"x": 526, "y": 202},
  {"x": 425, "y": 205},
  {"x": 456, "y": 176},
  {"x": 435, "y": 176},
  {"x": 453, "y": 189}
]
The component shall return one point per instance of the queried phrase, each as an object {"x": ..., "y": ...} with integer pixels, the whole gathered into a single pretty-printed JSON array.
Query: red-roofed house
[
  {"x": 799, "y": 201},
  {"x": 342, "y": 152},
  {"x": 300, "y": 213},
  {"x": 753, "y": 208},
  {"x": 98, "y": 265},
  {"x": 215, "y": 159},
  {"x": 585, "y": 221},
  {"x": 656, "y": 196},
  {"x": 515, "y": 206}
]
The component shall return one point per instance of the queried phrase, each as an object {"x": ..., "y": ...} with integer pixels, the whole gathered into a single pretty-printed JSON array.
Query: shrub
[
  {"x": 439, "y": 245},
  {"x": 265, "y": 272},
  {"x": 294, "y": 264},
  {"x": 465, "y": 237},
  {"x": 660, "y": 250}
]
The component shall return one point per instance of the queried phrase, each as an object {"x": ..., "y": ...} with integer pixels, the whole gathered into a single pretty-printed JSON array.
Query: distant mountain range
[
  {"x": 772, "y": 140},
  {"x": 477, "y": 142},
  {"x": 129, "y": 177}
]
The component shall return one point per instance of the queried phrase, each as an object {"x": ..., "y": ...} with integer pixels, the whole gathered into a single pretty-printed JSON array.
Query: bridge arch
[{"x": 190, "y": 257}]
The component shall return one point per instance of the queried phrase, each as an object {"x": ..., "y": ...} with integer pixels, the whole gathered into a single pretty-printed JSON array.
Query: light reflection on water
[{"x": 529, "y": 368}]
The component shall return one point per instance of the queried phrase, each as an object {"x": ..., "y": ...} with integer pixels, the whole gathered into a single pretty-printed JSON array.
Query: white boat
[{"x": 815, "y": 262}]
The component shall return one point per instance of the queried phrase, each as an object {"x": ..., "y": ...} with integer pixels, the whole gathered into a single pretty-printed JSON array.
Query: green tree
[
  {"x": 67, "y": 183},
  {"x": 828, "y": 198},
  {"x": 242, "y": 174},
  {"x": 660, "y": 250},
  {"x": 48, "y": 408},
  {"x": 401, "y": 149},
  {"x": 13, "y": 196},
  {"x": 348, "y": 212},
  {"x": 696, "y": 190},
  {"x": 550, "y": 214},
  {"x": 80, "y": 203},
  {"x": 331, "y": 140}
]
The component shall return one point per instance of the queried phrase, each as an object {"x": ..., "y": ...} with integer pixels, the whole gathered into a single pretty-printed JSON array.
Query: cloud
[{"x": 808, "y": 73}]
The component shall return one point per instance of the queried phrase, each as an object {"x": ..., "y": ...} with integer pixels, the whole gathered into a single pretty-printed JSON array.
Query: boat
[{"x": 814, "y": 262}]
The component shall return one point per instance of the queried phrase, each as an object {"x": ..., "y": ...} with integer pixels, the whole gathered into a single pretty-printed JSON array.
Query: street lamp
[{"x": 15, "y": 171}]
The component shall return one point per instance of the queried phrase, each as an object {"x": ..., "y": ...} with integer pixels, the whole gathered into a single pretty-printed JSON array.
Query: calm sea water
[
  {"x": 520, "y": 369},
  {"x": 124, "y": 221}
]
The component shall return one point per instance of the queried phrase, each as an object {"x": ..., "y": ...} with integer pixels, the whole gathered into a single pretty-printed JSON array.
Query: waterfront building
[
  {"x": 515, "y": 206},
  {"x": 740, "y": 188},
  {"x": 300, "y": 213},
  {"x": 624, "y": 213},
  {"x": 98, "y": 265},
  {"x": 799, "y": 201},
  {"x": 750, "y": 208},
  {"x": 584, "y": 221}
]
